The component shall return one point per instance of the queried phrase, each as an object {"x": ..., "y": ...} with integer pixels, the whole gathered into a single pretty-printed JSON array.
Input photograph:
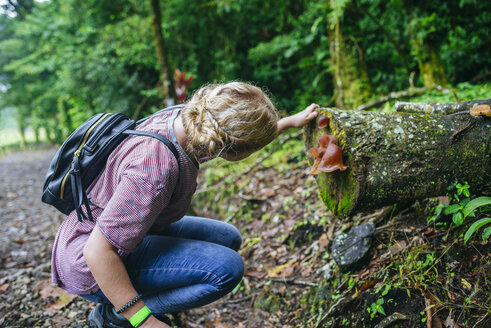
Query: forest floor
[{"x": 415, "y": 275}]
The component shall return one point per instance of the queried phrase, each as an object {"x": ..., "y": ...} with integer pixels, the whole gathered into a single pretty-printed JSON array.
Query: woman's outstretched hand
[{"x": 299, "y": 119}]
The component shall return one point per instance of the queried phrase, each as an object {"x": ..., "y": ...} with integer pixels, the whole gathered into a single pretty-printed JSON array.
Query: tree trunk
[
  {"x": 352, "y": 87},
  {"x": 425, "y": 50},
  {"x": 21, "y": 125},
  {"x": 431, "y": 66},
  {"x": 444, "y": 109},
  {"x": 166, "y": 73},
  {"x": 401, "y": 157}
]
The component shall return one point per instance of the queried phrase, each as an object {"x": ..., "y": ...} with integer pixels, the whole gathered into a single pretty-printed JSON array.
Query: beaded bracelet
[{"x": 130, "y": 303}]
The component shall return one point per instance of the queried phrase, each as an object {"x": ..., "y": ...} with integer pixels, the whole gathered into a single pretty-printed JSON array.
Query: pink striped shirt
[{"x": 140, "y": 191}]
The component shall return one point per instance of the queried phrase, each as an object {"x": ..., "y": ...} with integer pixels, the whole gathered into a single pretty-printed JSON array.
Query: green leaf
[
  {"x": 486, "y": 233},
  {"x": 475, "y": 203},
  {"x": 439, "y": 210},
  {"x": 452, "y": 209},
  {"x": 474, "y": 227},
  {"x": 458, "y": 218}
]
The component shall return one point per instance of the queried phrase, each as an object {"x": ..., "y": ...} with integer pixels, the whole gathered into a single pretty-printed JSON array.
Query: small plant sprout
[
  {"x": 376, "y": 307},
  {"x": 463, "y": 189}
]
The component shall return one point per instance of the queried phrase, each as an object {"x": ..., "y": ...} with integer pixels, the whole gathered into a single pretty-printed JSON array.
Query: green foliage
[
  {"x": 476, "y": 226},
  {"x": 461, "y": 208},
  {"x": 63, "y": 61}
]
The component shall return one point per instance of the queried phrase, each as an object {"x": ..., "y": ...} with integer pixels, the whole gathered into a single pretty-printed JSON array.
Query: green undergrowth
[
  {"x": 452, "y": 94},
  {"x": 221, "y": 181},
  {"x": 219, "y": 169},
  {"x": 464, "y": 91}
]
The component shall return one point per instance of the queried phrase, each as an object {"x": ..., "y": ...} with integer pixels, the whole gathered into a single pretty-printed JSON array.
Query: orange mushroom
[
  {"x": 328, "y": 155},
  {"x": 481, "y": 110},
  {"x": 323, "y": 122}
]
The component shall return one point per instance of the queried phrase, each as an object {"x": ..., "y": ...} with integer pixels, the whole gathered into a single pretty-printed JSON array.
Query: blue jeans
[{"x": 192, "y": 263}]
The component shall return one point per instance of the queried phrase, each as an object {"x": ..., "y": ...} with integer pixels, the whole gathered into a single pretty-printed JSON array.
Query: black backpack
[{"x": 82, "y": 157}]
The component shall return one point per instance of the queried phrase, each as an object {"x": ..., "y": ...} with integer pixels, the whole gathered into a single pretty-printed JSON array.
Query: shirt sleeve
[{"x": 143, "y": 192}]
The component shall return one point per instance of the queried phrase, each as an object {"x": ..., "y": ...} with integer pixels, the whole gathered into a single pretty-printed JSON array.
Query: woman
[{"x": 142, "y": 257}]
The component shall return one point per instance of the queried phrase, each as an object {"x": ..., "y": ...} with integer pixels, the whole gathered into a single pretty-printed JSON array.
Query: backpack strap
[
  {"x": 160, "y": 111},
  {"x": 159, "y": 137},
  {"x": 79, "y": 195}
]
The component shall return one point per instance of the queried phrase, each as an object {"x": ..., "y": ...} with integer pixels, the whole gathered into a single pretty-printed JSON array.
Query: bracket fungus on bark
[
  {"x": 323, "y": 122},
  {"x": 328, "y": 155},
  {"x": 481, "y": 110}
]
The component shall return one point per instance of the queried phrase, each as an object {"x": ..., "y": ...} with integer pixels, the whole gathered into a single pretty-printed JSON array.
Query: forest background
[{"x": 63, "y": 61}]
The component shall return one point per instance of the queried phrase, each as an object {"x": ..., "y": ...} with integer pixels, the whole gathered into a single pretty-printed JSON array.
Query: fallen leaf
[
  {"x": 466, "y": 284},
  {"x": 60, "y": 322},
  {"x": 306, "y": 271},
  {"x": 218, "y": 321},
  {"x": 367, "y": 284},
  {"x": 255, "y": 274},
  {"x": 61, "y": 297},
  {"x": 395, "y": 249},
  {"x": 283, "y": 270},
  {"x": 268, "y": 192},
  {"x": 4, "y": 287},
  {"x": 60, "y": 303},
  {"x": 450, "y": 322},
  {"x": 323, "y": 242}
]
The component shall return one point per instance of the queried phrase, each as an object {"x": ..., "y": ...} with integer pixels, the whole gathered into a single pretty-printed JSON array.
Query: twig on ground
[
  {"x": 332, "y": 308},
  {"x": 295, "y": 282},
  {"x": 238, "y": 300},
  {"x": 480, "y": 320}
]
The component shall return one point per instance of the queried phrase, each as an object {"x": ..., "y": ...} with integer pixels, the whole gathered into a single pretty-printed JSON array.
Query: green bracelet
[{"x": 140, "y": 316}]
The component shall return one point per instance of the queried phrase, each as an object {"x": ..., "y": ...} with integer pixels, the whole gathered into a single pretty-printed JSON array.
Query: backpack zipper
[
  {"x": 96, "y": 137},
  {"x": 79, "y": 149}
]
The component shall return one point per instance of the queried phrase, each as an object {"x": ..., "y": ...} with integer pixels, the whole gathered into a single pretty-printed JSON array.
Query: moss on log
[{"x": 399, "y": 157}]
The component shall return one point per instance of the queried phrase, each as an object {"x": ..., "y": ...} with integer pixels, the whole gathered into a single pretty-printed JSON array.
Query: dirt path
[{"x": 27, "y": 230}]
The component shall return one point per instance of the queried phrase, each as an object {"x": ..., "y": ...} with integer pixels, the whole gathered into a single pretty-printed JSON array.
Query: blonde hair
[{"x": 231, "y": 118}]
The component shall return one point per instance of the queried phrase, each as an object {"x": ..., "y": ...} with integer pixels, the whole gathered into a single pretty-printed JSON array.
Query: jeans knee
[
  {"x": 234, "y": 271},
  {"x": 235, "y": 238}
]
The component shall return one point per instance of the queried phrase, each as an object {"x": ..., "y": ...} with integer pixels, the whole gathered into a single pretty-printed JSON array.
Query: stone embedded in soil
[{"x": 350, "y": 250}]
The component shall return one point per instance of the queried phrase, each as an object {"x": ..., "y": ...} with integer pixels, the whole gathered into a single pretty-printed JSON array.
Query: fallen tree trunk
[
  {"x": 441, "y": 109},
  {"x": 399, "y": 157},
  {"x": 411, "y": 92}
]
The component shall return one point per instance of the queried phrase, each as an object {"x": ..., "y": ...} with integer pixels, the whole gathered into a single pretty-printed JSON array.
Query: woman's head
[{"x": 229, "y": 120}]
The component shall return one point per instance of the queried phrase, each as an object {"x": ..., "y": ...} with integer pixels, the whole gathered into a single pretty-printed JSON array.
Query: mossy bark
[
  {"x": 429, "y": 62},
  {"x": 399, "y": 157}
]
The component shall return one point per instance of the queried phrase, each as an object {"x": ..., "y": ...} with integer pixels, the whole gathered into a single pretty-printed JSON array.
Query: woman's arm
[
  {"x": 111, "y": 276},
  {"x": 298, "y": 120}
]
